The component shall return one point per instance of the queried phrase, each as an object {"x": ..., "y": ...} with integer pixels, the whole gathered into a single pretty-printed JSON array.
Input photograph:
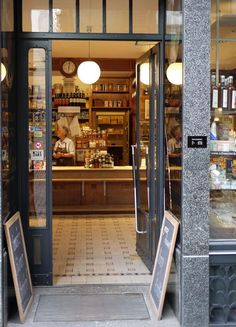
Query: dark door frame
[
  {"x": 41, "y": 273},
  {"x": 44, "y": 277}
]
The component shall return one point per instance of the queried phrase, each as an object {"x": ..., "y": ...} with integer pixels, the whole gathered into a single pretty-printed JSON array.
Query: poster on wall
[{"x": 164, "y": 255}]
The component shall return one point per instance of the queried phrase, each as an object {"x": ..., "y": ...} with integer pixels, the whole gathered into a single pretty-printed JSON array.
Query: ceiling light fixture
[
  {"x": 174, "y": 73},
  {"x": 89, "y": 71},
  {"x": 3, "y": 72},
  {"x": 145, "y": 73}
]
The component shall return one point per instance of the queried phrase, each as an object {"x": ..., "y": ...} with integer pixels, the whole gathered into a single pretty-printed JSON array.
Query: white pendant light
[
  {"x": 144, "y": 73},
  {"x": 89, "y": 72},
  {"x": 174, "y": 73},
  {"x": 3, "y": 72}
]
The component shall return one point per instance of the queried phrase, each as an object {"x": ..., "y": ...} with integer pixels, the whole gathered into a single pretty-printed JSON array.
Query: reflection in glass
[
  {"x": 118, "y": 16},
  {"x": 173, "y": 134},
  {"x": 226, "y": 16},
  {"x": 64, "y": 16},
  {"x": 145, "y": 16},
  {"x": 173, "y": 17},
  {"x": 35, "y": 15},
  {"x": 37, "y": 137},
  {"x": 144, "y": 132},
  {"x": 7, "y": 16},
  {"x": 91, "y": 16}
]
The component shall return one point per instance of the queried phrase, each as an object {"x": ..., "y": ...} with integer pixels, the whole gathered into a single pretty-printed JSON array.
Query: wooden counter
[{"x": 87, "y": 190}]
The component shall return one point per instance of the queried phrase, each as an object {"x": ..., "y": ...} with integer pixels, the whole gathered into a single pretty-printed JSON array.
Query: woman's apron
[{"x": 64, "y": 161}]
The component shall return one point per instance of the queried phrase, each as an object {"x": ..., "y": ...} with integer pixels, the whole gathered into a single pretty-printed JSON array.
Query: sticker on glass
[{"x": 37, "y": 155}]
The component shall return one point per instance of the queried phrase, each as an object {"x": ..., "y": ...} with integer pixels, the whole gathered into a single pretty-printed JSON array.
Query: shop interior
[{"x": 94, "y": 238}]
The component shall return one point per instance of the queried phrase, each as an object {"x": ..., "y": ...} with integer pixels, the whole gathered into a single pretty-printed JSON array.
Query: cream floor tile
[
  {"x": 93, "y": 280},
  {"x": 62, "y": 280},
  {"x": 78, "y": 280},
  {"x": 109, "y": 279}
]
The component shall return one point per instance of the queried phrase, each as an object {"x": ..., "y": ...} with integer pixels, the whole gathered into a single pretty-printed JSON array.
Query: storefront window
[
  {"x": 223, "y": 124},
  {"x": 37, "y": 138},
  {"x": 35, "y": 15},
  {"x": 64, "y": 16},
  {"x": 118, "y": 16},
  {"x": 91, "y": 16},
  {"x": 145, "y": 16}
]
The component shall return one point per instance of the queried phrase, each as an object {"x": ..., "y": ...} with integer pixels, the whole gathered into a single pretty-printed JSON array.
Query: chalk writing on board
[
  {"x": 163, "y": 261},
  {"x": 19, "y": 264}
]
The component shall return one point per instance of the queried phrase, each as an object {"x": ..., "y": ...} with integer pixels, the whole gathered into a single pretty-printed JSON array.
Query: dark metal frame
[
  {"x": 24, "y": 39},
  {"x": 160, "y": 36},
  {"x": 157, "y": 169},
  {"x": 41, "y": 274}
]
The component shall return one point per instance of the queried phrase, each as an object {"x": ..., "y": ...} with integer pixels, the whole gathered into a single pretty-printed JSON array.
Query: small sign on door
[{"x": 37, "y": 155}]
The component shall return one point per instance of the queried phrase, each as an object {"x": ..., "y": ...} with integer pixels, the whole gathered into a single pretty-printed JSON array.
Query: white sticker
[{"x": 37, "y": 155}]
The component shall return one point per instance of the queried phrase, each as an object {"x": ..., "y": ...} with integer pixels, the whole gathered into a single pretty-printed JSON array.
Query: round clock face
[{"x": 69, "y": 67}]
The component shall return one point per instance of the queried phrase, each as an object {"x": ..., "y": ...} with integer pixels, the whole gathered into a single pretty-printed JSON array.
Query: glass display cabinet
[{"x": 222, "y": 169}]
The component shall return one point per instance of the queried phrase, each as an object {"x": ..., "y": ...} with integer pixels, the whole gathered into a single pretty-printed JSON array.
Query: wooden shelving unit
[{"x": 110, "y": 111}]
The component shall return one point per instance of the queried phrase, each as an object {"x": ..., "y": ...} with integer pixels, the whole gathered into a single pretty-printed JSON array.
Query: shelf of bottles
[
  {"x": 37, "y": 137},
  {"x": 111, "y": 93},
  {"x": 223, "y": 155},
  {"x": 89, "y": 144},
  {"x": 223, "y": 109}
]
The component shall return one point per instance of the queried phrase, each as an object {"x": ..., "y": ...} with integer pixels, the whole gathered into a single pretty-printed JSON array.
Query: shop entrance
[
  {"x": 94, "y": 217},
  {"x": 132, "y": 112}
]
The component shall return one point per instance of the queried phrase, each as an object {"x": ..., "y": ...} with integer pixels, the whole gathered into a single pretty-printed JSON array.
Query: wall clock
[{"x": 68, "y": 68}]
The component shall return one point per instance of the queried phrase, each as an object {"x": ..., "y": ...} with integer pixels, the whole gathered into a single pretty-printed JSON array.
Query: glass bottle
[
  {"x": 223, "y": 94},
  {"x": 214, "y": 93},
  {"x": 231, "y": 94}
]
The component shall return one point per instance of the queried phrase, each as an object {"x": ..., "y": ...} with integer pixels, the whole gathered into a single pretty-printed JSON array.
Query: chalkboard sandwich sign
[
  {"x": 161, "y": 271},
  {"x": 19, "y": 265}
]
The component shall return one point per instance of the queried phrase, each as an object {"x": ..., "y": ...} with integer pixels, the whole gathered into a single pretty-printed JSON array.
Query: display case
[{"x": 222, "y": 217}]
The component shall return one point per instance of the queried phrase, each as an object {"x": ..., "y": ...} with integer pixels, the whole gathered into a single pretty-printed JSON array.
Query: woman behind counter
[
  {"x": 174, "y": 146},
  {"x": 64, "y": 149}
]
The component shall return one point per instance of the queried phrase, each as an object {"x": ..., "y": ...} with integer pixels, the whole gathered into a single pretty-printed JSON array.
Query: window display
[{"x": 222, "y": 171}]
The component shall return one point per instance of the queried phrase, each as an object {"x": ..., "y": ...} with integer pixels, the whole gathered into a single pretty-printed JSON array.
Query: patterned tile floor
[{"x": 96, "y": 250}]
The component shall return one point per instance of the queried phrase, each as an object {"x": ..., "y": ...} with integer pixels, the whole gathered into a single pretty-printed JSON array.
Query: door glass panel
[
  {"x": 118, "y": 16},
  {"x": 64, "y": 16},
  {"x": 173, "y": 17},
  {"x": 35, "y": 15},
  {"x": 173, "y": 130},
  {"x": 145, "y": 16},
  {"x": 37, "y": 137},
  {"x": 7, "y": 16},
  {"x": 144, "y": 133},
  {"x": 91, "y": 16}
]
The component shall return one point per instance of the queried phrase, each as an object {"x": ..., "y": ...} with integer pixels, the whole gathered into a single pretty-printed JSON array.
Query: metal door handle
[{"x": 135, "y": 198}]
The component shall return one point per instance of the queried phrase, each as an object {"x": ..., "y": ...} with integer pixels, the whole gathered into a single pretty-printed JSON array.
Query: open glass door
[
  {"x": 35, "y": 158},
  {"x": 145, "y": 154}
]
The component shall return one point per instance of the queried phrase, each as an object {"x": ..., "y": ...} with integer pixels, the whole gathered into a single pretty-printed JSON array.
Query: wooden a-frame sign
[
  {"x": 19, "y": 265},
  {"x": 161, "y": 271}
]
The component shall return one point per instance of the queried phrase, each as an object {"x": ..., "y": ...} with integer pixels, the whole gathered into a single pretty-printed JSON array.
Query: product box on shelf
[{"x": 222, "y": 146}]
